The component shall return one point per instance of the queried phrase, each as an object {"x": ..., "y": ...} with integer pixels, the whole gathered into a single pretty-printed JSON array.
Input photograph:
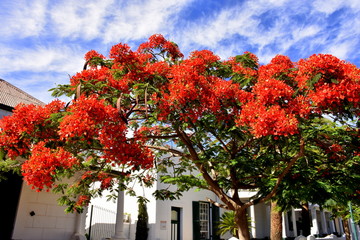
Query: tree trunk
[
  {"x": 305, "y": 215},
  {"x": 242, "y": 224},
  {"x": 275, "y": 222},
  {"x": 346, "y": 229}
]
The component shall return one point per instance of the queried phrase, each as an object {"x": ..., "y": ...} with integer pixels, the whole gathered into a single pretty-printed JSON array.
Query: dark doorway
[
  {"x": 9, "y": 200},
  {"x": 175, "y": 223}
]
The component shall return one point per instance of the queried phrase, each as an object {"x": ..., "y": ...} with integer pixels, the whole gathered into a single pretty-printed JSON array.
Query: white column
[
  {"x": 332, "y": 225},
  {"x": 323, "y": 222},
  {"x": 285, "y": 225},
  {"x": 341, "y": 226},
  {"x": 80, "y": 225},
  {"x": 315, "y": 228},
  {"x": 253, "y": 221},
  {"x": 293, "y": 218},
  {"x": 119, "y": 225},
  {"x": 268, "y": 216}
]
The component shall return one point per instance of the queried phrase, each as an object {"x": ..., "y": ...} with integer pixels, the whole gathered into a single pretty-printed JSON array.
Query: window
[{"x": 205, "y": 218}]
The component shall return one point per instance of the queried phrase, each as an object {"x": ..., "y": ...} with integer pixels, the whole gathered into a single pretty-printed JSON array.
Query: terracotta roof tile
[{"x": 11, "y": 96}]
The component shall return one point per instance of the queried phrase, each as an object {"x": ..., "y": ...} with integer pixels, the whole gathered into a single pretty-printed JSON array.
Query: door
[
  {"x": 175, "y": 223},
  {"x": 9, "y": 200}
]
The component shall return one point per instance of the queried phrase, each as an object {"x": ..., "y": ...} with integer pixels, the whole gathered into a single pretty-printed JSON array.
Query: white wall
[
  {"x": 50, "y": 222},
  {"x": 261, "y": 221},
  {"x": 163, "y": 216}
]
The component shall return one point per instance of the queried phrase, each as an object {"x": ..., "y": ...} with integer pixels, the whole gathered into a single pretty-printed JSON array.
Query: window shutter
[
  {"x": 196, "y": 221},
  {"x": 215, "y": 221}
]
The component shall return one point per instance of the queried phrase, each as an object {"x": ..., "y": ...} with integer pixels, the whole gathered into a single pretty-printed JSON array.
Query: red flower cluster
[
  {"x": 40, "y": 169},
  {"x": 92, "y": 54},
  {"x": 332, "y": 83},
  {"x": 239, "y": 68},
  {"x": 92, "y": 120},
  {"x": 157, "y": 41},
  {"x": 274, "y": 108},
  {"x": 83, "y": 200},
  {"x": 25, "y": 125}
]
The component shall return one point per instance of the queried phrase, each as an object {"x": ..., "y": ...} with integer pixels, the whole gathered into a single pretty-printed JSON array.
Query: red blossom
[
  {"x": 40, "y": 170},
  {"x": 92, "y": 54},
  {"x": 27, "y": 123}
]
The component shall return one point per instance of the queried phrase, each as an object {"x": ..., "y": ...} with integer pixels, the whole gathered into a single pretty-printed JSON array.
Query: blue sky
[{"x": 43, "y": 41}]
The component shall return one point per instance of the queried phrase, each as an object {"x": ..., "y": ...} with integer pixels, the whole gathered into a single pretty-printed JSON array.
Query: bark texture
[
  {"x": 242, "y": 223},
  {"x": 275, "y": 222},
  {"x": 347, "y": 229}
]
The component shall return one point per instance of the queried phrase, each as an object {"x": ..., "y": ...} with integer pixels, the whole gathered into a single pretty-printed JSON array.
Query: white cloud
[
  {"x": 341, "y": 50},
  {"x": 213, "y": 29},
  {"x": 328, "y": 6},
  {"x": 140, "y": 19},
  {"x": 80, "y": 19},
  {"x": 306, "y": 31},
  {"x": 41, "y": 59},
  {"x": 22, "y": 18}
]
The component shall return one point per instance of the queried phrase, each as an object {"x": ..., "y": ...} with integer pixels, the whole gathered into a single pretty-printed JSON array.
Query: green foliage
[
  {"x": 9, "y": 165},
  {"x": 227, "y": 224}
]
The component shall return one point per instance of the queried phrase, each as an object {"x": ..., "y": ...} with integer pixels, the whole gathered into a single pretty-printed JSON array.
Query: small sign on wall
[{"x": 162, "y": 225}]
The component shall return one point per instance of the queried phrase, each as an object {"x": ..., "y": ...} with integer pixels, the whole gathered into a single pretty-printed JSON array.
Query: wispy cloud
[
  {"x": 140, "y": 19},
  {"x": 40, "y": 59},
  {"x": 80, "y": 19},
  {"x": 22, "y": 18}
]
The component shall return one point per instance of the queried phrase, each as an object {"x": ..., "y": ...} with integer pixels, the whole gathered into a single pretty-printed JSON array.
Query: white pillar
[
  {"x": 253, "y": 221},
  {"x": 268, "y": 216},
  {"x": 332, "y": 226},
  {"x": 119, "y": 225},
  {"x": 293, "y": 218},
  {"x": 285, "y": 225},
  {"x": 323, "y": 222},
  {"x": 80, "y": 225},
  {"x": 315, "y": 228},
  {"x": 341, "y": 226}
]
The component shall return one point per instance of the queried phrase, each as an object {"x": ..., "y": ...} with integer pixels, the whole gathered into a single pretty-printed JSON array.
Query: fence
[{"x": 100, "y": 223}]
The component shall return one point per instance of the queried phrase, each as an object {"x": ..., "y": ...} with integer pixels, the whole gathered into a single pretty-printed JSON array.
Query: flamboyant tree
[
  {"x": 325, "y": 175},
  {"x": 231, "y": 124}
]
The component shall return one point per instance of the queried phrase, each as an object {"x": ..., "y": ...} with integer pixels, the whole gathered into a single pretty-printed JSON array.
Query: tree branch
[
  {"x": 162, "y": 148},
  {"x": 218, "y": 204},
  {"x": 213, "y": 185},
  {"x": 281, "y": 176}
]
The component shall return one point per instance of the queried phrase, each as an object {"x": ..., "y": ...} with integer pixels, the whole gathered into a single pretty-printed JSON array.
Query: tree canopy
[{"x": 232, "y": 124}]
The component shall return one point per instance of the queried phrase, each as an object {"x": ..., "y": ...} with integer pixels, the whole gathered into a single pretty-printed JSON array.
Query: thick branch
[
  {"x": 162, "y": 137},
  {"x": 218, "y": 204},
  {"x": 282, "y": 175},
  {"x": 217, "y": 138},
  {"x": 162, "y": 148},
  {"x": 213, "y": 185}
]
